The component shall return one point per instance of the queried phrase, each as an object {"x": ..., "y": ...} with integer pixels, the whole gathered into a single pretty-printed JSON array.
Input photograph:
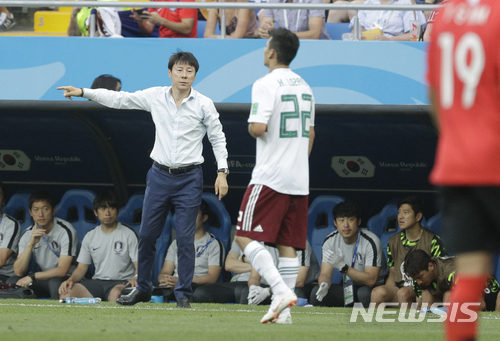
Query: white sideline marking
[{"x": 89, "y": 306}]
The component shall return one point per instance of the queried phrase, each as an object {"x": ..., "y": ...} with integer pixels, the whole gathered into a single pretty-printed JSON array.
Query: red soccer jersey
[
  {"x": 175, "y": 15},
  {"x": 464, "y": 75}
]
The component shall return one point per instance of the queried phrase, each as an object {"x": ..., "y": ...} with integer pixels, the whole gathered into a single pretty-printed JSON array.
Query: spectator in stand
[
  {"x": 387, "y": 25},
  {"x": 306, "y": 24},
  {"x": 240, "y": 23},
  {"x": 10, "y": 232},
  {"x": 108, "y": 23},
  {"x": 6, "y": 19},
  {"x": 430, "y": 21},
  {"x": 339, "y": 15},
  {"x": 173, "y": 22}
]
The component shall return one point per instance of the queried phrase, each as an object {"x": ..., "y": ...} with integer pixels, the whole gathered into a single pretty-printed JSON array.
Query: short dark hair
[
  {"x": 285, "y": 43},
  {"x": 106, "y": 199},
  {"x": 106, "y": 82},
  {"x": 415, "y": 202},
  {"x": 41, "y": 196},
  {"x": 205, "y": 208},
  {"x": 416, "y": 261},
  {"x": 346, "y": 209},
  {"x": 181, "y": 57}
]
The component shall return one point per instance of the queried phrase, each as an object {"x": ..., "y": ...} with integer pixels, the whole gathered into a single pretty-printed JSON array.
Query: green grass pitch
[{"x": 49, "y": 320}]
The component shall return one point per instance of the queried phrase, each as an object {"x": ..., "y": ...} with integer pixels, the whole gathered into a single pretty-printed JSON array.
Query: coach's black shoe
[
  {"x": 134, "y": 297},
  {"x": 183, "y": 303}
]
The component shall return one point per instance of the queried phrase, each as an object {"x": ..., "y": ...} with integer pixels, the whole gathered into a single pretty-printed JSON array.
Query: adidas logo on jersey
[{"x": 258, "y": 229}]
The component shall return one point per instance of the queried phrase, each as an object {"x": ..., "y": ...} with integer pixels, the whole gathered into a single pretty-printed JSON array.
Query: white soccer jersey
[
  {"x": 285, "y": 102},
  {"x": 113, "y": 253},
  {"x": 211, "y": 255},
  {"x": 63, "y": 239},
  {"x": 10, "y": 232},
  {"x": 369, "y": 252}
]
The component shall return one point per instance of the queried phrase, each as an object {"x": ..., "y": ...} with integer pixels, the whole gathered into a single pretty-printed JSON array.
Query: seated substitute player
[
  {"x": 356, "y": 254},
  {"x": 399, "y": 287},
  {"x": 434, "y": 277},
  {"x": 53, "y": 242},
  {"x": 259, "y": 292},
  {"x": 112, "y": 247},
  {"x": 227, "y": 292},
  {"x": 10, "y": 232},
  {"x": 209, "y": 258}
]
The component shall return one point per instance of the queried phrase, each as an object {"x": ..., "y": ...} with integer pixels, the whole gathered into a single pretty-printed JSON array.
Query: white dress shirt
[{"x": 179, "y": 131}]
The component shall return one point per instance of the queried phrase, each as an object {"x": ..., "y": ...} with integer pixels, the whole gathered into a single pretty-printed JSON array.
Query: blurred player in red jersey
[{"x": 464, "y": 77}]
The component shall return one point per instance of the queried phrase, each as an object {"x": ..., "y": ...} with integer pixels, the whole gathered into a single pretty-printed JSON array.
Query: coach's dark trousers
[{"x": 184, "y": 192}]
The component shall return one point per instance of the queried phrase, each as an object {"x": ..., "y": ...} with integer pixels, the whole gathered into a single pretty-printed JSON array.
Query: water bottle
[{"x": 81, "y": 300}]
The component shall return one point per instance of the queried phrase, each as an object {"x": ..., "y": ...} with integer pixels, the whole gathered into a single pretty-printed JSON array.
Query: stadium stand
[
  {"x": 320, "y": 225},
  {"x": 434, "y": 223},
  {"x": 17, "y": 207}
]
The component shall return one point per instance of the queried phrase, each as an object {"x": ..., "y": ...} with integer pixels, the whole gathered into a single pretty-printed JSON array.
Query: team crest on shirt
[
  {"x": 359, "y": 259},
  {"x": 118, "y": 246},
  {"x": 54, "y": 245},
  {"x": 1, "y": 238}
]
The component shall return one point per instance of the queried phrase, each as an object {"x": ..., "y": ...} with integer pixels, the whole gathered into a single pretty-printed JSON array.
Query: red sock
[{"x": 468, "y": 289}]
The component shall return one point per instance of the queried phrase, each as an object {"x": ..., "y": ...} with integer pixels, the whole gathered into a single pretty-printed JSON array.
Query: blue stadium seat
[
  {"x": 17, "y": 207},
  {"x": 383, "y": 222},
  {"x": 335, "y": 30},
  {"x": 496, "y": 266},
  {"x": 131, "y": 213},
  {"x": 76, "y": 207},
  {"x": 320, "y": 225},
  {"x": 220, "y": 224},
  {"x": 434, "y": 224}
]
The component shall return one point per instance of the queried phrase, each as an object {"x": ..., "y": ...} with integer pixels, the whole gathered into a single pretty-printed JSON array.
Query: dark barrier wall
[{"x": 371, "y": 154}]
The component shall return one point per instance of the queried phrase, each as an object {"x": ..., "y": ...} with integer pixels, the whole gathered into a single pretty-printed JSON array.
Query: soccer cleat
[
  {"x": 284, "y": 317},
  {"x": 279, "y": 303}
]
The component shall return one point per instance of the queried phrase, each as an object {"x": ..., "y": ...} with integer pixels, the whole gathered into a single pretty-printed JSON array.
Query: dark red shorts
[{"x": 273, "y": 218}]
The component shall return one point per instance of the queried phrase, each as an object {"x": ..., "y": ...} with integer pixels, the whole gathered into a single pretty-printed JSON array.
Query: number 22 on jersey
[{"x": 466, "y": 60}]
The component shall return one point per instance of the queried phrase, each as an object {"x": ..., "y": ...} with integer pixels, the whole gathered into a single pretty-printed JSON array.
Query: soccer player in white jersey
[
  {"x": 112, "y": 247},
  {"x": 274, "y": 208}
]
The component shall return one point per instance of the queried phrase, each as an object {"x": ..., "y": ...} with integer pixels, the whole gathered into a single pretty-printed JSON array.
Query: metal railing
[{"x": 219, "y": 5}]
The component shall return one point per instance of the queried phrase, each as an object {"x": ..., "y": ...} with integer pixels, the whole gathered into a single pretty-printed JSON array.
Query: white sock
[
  {"x": 263, "y": 263},
  {"x": 289, "y": 270}
]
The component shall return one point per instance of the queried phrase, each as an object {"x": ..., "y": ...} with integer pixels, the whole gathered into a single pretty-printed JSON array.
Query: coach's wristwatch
[
  {"x": 31, "y": 275},
  {"x": 223, "y": 170}
]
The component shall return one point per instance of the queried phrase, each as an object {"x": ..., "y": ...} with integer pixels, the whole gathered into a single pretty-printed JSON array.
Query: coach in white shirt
[{"x": 182, "y": 117}]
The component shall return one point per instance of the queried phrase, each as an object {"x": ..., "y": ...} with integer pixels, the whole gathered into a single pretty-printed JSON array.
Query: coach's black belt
[{"x": 179, "y": 170}]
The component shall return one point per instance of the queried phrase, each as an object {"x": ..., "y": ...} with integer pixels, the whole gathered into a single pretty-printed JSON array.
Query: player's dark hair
[
  {"x": 285, "y": 43},
  {"x": 181, "y": 57},
  {"x": 415, "y": 202},
  {"x": 204, "y": 208},
  {"x": 106, "y": 199},
  {"x": 346, "y": 209},
  {"x": 41, "y": 196},
  {"x": 106, "y": 82},
  {"x": 416, "y": 261}
]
